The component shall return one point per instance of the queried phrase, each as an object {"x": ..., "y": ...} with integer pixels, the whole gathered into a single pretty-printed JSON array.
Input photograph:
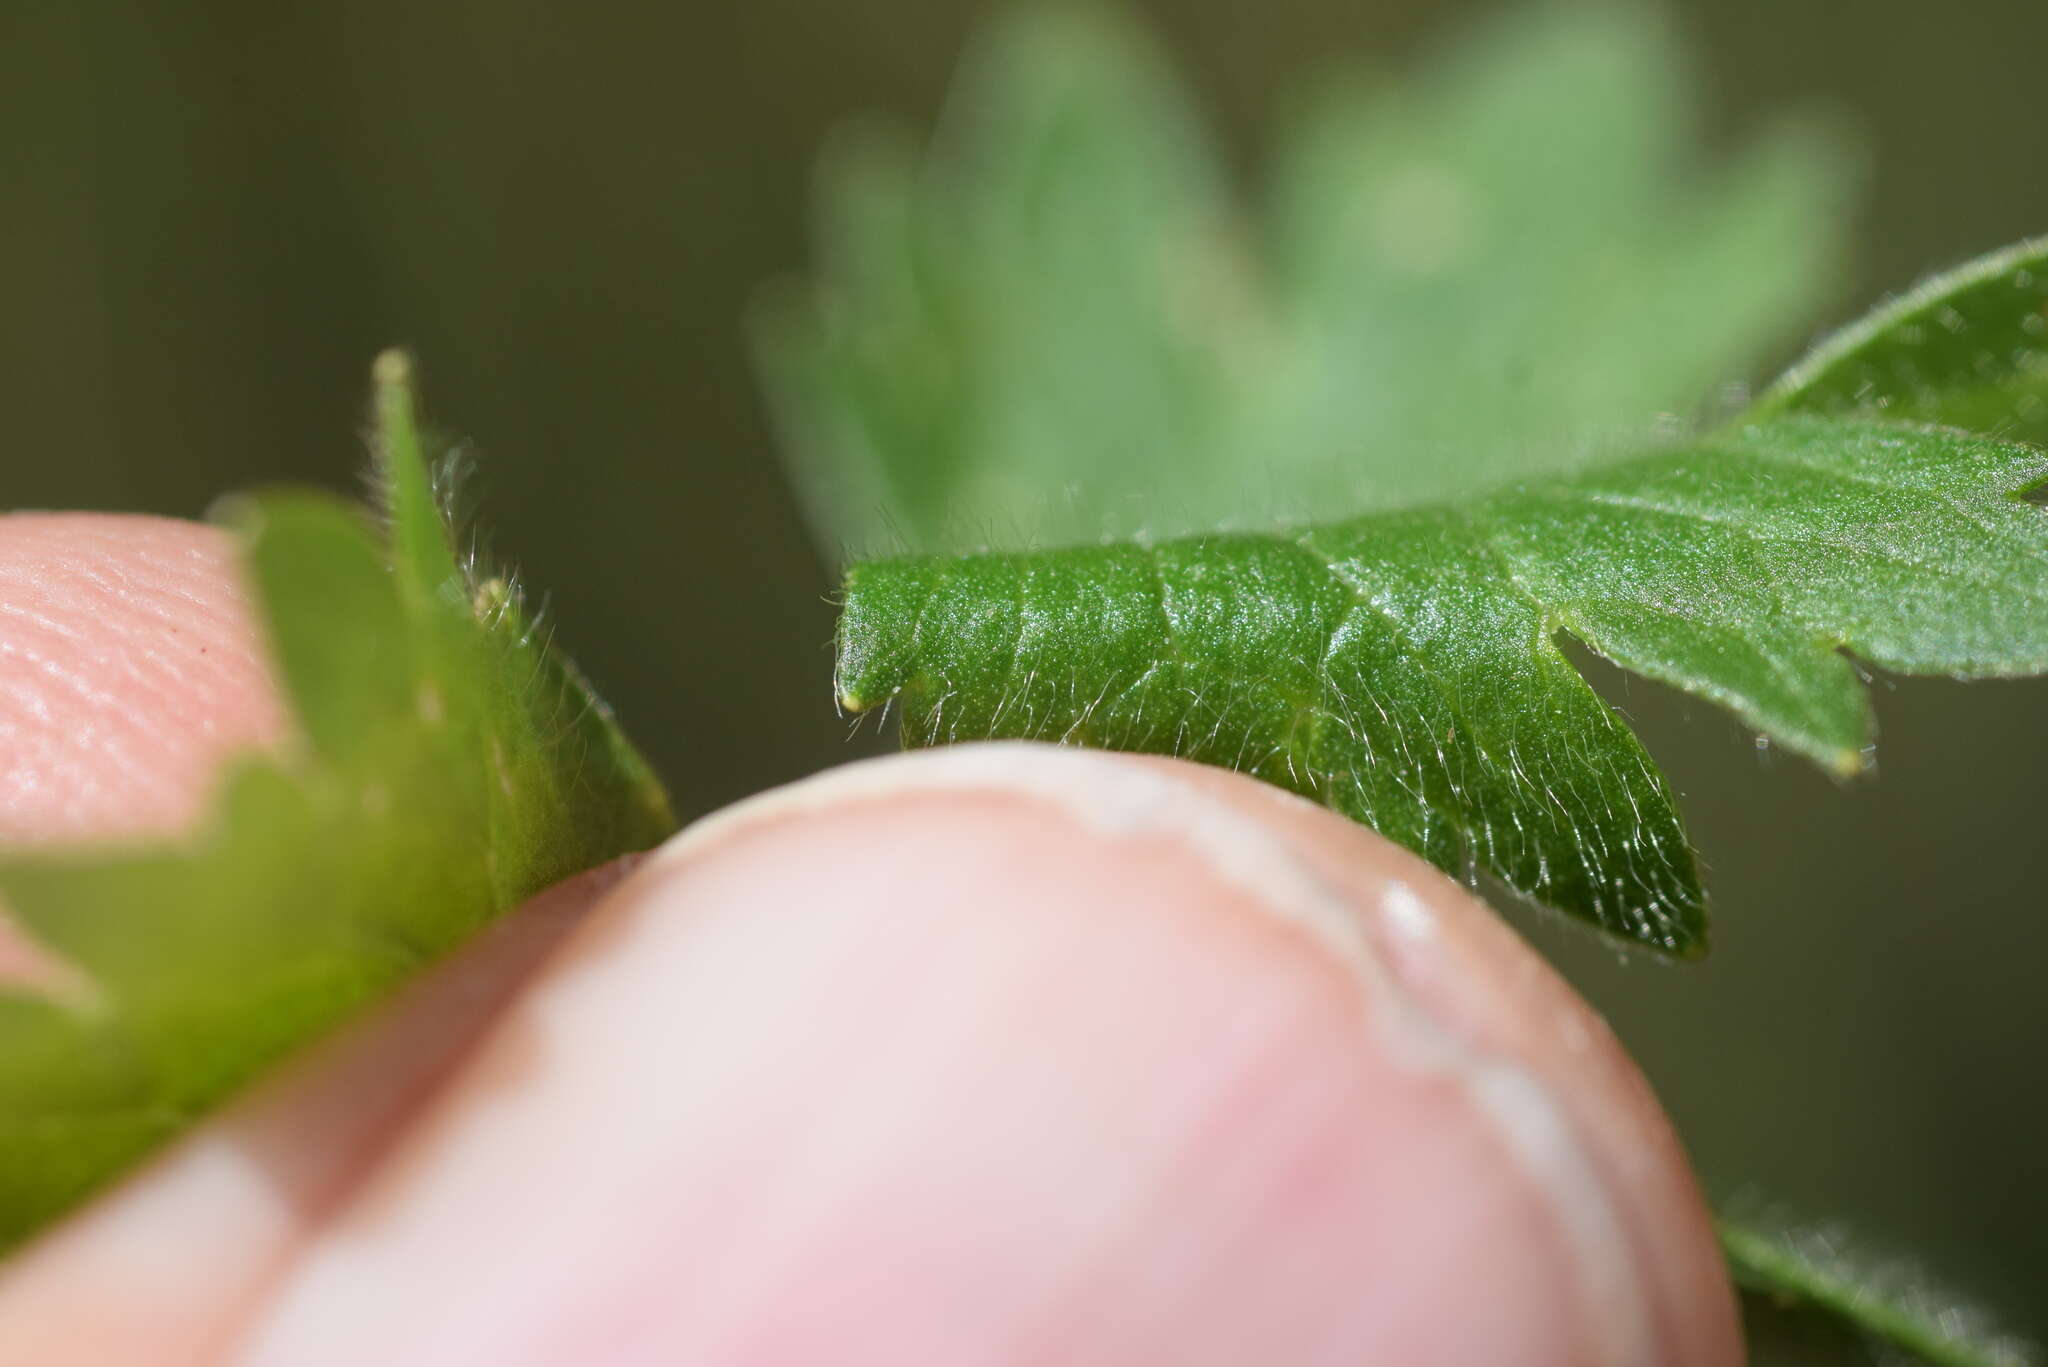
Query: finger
[
  {"x": 1008, "y": 1054},
  {"x": 1480, "y": 978},
  {"x": 130, "y": 666}
]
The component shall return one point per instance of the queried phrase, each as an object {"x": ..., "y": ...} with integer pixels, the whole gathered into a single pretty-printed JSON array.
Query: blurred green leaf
[
  {"x": 1968, "y": 348},
  {"x": 1057, "y": 324},
  {"x": 1899, "y": 1314},
  {"x": 1402, "y": 667},
  {"x": 449, "y": 764}
]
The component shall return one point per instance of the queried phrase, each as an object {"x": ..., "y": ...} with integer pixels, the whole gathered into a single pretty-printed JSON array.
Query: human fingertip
[
  {"x": 133, "y": 666},
  {"x": 1003, "y": 1052}
]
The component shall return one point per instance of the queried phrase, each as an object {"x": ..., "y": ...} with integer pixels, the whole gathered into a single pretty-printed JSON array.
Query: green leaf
[
  {"x": 1968, "y": 348},
  {"x": 1402, "y": 667},
  {"x": 449, "y": 764},
  {"x": 1058, "y": 323},
  {"x": 1888, "y": 1304}
]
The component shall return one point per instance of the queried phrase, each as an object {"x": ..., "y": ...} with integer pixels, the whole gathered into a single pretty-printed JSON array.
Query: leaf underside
[
  {"x": 1403, "y": 669},
  {"x": 448, "y": 764}
]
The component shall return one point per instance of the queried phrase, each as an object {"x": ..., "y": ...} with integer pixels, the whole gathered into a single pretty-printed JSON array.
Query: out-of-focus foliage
[
  {"x": 1059, "y": 323},
  {"x": 449, "y": 764}
]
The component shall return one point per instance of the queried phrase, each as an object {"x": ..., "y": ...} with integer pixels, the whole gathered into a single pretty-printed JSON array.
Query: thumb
[{"x": 1008, "y": 1054}]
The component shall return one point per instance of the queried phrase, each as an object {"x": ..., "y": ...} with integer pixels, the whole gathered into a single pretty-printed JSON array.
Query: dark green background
[{"x": 214, "y": 212}]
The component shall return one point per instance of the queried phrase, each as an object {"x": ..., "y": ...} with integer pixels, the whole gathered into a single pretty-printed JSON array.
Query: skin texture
[
  {"x": 997, "y": 1054},
  {"x": 129, "y": 668}
]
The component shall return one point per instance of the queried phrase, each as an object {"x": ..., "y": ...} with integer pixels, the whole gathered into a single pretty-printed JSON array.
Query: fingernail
[{"x": 990, "y": 1054}]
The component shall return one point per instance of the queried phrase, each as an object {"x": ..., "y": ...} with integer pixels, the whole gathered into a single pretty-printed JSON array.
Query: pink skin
[{"x": 997, "y": 1055}]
